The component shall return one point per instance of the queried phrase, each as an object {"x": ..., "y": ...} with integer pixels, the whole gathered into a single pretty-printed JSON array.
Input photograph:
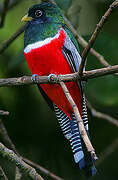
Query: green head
[{"x": 43, "y": 20}]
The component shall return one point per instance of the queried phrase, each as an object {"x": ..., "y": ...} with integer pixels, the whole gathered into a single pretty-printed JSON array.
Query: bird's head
[{"x": 44, "y": 13}]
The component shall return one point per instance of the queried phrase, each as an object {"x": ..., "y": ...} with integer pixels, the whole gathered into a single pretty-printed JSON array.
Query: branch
[
  {"x": 95, "y": 34},
  {"x": 12, "y": 3},
  {"x": 42, "y": 169},
  {"x": 9, "y": 143},
  {"x": 6, "y": 139},
  {"x": 84, "y": 43},
  {"x": 2, "y": 174},
  {"x": 79, "y": 120},
  {"x": 5, "y": 44},
  {"x": 100, "y": 115},
  {"x": 25, "y": 80},
  {"x": 13, "y": 158},
  {"x": 109, "y": 150},
  {"x": 80, "y": 39},
  {"x": 4, "y": 12},
  {"x": 4, "y": 113}
]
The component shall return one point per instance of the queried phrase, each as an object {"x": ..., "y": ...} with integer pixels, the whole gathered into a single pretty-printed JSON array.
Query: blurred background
[{"x": 31, "y": 124}]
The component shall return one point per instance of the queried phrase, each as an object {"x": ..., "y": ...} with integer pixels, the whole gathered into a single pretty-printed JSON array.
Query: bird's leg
[
  {"x": 34, "y": 78},
  {"x": 51, "y": 78}
]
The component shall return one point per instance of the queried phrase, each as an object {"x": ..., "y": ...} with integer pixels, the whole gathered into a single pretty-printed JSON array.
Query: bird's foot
[
  {"x": 51, "y": 77},
  {"x": 34, "y": 78}
]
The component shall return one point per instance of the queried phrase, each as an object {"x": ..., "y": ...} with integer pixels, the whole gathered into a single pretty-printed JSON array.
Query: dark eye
[{"x": 38, "y": 13}]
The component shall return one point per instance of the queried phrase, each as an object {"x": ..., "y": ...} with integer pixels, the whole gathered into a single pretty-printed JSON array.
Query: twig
[
  {"x": 2, "y": 174},
  {"x": 100, "y": 115},
  {"x": 13, "y": 158},
  {"x": 79, "y": 120},
  {"x": 106, "y": 153},
  {"x": 6, "y": 138},
  {"x": 4, "y": 11},
  {"x": 42, "y": 169},
  {"x": 95, "y": 34},
  {"x": 56, "y": 78},
  {"x": 4, "y": 113},
  {"x": 12, "y": 3},
  {"x": 84, "y": 43},
  {"x": 18, "y": 174},
  {"x": 80, "y": 39},
  {"x": 9, "y": 143},
  {"x": 5, "y": 44}
]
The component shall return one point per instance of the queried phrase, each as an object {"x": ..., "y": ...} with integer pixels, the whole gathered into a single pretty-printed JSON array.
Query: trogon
[{"x": 51, "y": 48}]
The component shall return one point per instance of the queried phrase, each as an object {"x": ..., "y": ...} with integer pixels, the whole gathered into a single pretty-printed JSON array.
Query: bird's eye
[{"x": 38, "y": 13}]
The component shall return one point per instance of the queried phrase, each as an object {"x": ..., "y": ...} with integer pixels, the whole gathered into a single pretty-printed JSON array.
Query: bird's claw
[
  {"x": 34, "y": 78},
  {"x": 51, "y": 77}
]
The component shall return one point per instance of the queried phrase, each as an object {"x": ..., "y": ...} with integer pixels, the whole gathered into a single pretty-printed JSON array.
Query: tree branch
[
  {"x": 6, "y": 139},
  {"x": 84, "y": 43},
  {"x": 13, "y": 158},
  {"x": 25, "y": 80},
  {"x": 5, "y": 44},
  {"x": 79, "y": 120},
  {"x": 42, "y": 169},
  {"x": 4, "y": 113},
  {"x": 4, "y": 12},
  {"x": 2, "y": 174},
  {"x": 109, "y": 150},
  {"x": 80, "y": 39},
  {"x": 100, "y": 115},
  {"x": 8, "y": 142},
  {"x": 95, "y": 34}
]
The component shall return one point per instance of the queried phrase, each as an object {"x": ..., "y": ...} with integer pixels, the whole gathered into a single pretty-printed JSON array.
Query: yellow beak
[{"x": 26, "y": 18}]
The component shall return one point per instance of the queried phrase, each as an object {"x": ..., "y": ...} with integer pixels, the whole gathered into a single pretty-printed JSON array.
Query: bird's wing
[{"x": 71, "y": 54}]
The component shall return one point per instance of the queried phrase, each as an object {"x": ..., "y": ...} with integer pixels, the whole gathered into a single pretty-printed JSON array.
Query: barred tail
[{"x": 71, "y": 132}]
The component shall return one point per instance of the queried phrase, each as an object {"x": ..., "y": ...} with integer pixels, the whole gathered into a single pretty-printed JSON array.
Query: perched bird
[{"x": 50, "y": 48}]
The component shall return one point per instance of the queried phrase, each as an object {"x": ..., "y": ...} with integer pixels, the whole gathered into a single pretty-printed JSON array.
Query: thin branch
[
  {"x": 108, "y": 151},
  {"x": 100, "y": 115},
  {"x": 8, "y": 142},
  {"x": 26, "y": 80},
  {"x": 13, "y": 158},
  {"x": 12, "y": 3},
  {"x": 2, "y": 174},
  {"x": 84, "y": 43},
  {"x": 4, "y": 12},
  {"x": 4, "y": 113},
  {"x": 95, "y": 34},
  {"x": 6, "y": 138},
  {"x": 18, "y": 174},
  {"x": 5, "y": 44},
  {"x": 79, "y": 120},
  {"x": 42, "y": 169},
  {"x": 80, "y": 39}
]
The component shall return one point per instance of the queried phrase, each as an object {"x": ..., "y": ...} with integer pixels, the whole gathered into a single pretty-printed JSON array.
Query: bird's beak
[{"x": 26, "y": 18}]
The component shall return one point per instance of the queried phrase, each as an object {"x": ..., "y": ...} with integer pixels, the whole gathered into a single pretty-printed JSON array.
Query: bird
[{"x": 51, "y": 48}]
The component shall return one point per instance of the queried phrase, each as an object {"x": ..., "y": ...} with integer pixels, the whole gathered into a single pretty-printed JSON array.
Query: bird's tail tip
[{"x": 89, "y": 169}]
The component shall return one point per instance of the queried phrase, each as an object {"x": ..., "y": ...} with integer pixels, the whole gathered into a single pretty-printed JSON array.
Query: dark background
[{"x": 31, "y": 125}]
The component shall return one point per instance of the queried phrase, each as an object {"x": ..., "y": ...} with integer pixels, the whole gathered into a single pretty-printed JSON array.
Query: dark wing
[
  {"x": 73, "y": 57},
  {"x": 71, "y": 54}
]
